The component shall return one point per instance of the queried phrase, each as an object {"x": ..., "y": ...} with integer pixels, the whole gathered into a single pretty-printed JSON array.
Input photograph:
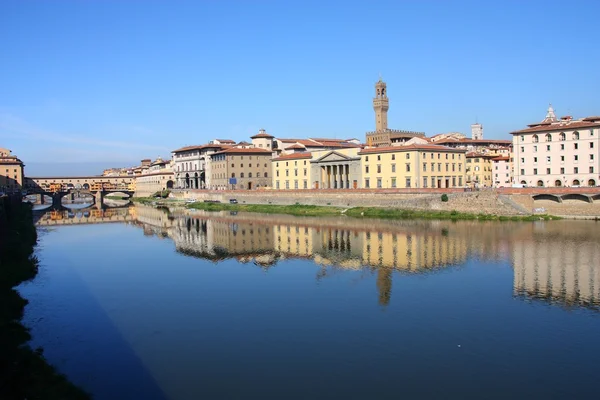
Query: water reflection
[{"x": 552, "y": 261}]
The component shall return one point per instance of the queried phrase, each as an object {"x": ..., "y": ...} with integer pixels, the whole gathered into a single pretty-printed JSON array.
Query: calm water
[{"x": 157, "y": 305}]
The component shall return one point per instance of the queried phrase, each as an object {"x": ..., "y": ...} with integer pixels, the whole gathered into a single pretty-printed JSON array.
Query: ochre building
[{"x": 11, "y": 172}]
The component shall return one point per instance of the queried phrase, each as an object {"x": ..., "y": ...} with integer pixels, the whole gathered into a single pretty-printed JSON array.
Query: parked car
[
  {"x": 233, "y": 201},
  {"x": 211, "y": 201}
]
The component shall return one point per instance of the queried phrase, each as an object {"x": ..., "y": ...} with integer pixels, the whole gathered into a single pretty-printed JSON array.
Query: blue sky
[{"x": 87, "y": 84}]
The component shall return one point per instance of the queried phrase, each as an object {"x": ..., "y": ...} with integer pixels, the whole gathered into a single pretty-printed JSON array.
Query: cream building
[
  {"x": 192, "y": 166},
  {"x": 11, "y": 172},
  {"x": 291, "y": 171},
  {"x": 413, "y": 166},
  {"x": 157, "y": 177},
  {"x": 558, "y": 152}
]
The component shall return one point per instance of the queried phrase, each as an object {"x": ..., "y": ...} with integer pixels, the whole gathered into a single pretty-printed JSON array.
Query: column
[
  {"x": 348, "y": 176},
  {"x": 329, "y": 177}
]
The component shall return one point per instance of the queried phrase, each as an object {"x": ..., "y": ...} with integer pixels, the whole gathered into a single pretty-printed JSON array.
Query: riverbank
[
  {"x": 360, "y": 212},
  {"x": 24, "y": 372}
]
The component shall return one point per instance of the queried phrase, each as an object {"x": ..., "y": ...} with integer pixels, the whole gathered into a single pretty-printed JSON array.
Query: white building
[
  {"x": 192, "y": 165},
  {"x": 558, "y": 152}
]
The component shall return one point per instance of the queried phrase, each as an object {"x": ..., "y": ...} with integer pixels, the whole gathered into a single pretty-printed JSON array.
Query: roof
[
  {"x": 501, "y": 158},
  {"x": 472, "y": 154},
  {"x": 296, "y": 146},
  {"x": 226, "y": 141},
  {"x": 411, "y": 147},
  {"x": 475, "y": 141},
  {"x": 237, "y": 150},
  {"x": 588, "y": 122},
  {"x": 262, "y": 135},
  {"x": 295, "y": 156},
  {"x": 199, "y": 147}
]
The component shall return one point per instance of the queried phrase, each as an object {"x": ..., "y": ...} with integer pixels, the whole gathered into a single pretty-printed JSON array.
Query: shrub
[{"x": 444, "y": 197}]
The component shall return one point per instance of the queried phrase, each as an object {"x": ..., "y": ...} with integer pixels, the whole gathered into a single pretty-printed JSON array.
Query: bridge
[
  {"x": 85, "y": 216},
  {"x": 95, "y": 186}
]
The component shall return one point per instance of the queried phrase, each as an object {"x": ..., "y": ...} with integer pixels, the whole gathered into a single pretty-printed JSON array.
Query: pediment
[{"x": 333, "y": 156}]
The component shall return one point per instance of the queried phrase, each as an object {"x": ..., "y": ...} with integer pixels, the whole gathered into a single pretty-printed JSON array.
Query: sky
[{"x": 87, "y": 85}]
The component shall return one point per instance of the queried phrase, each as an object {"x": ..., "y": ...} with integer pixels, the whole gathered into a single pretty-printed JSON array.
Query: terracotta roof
[
  {"x": 226, "y": 141},
  {"x": 236, "y": 150},
  {"x": 501, "y": 158},
  {"x": 296, "y": 146},
  {"x": 562, "y": 125},
  {"x": 199, "y": 147},
  {"x": 262, "y": 135},
  {"x": 472, "y": 154},
  {"x": 594, "y": 118},
  {"x": 295, "y": 156},
  {"x": 475, "y": 141},
  {"x": 411, "y": 147}
]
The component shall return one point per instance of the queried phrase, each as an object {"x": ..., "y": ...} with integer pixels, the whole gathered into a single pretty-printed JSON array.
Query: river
[{"x": 142, "y": 303}]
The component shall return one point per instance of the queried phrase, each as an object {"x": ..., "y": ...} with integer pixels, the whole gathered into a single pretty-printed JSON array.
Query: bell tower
[{"x": 381, "y": 104}]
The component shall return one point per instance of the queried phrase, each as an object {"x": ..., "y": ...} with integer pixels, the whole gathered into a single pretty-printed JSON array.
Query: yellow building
[
  {"x": 479, "y": 170},
  {"x": 413, "y": 166},
  {"x": 11, "y": 172},
  {"x": 291, "y": 171}
]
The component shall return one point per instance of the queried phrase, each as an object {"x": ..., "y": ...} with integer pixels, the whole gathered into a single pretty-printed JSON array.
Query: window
[
  {"x": 591, "y": 146},
  {"x": 424, "y": 182},
  {"x": 547, "y": 159},
  {"x": 424, "y": 156},
  {"x": 522, "y": 160},
  {"x": 522, "y": 149},
  {"x": 591, "y": 157},
  {"x": 562, "y": 137},
  {"x": 534, "y": 148},
  {"x": 407, "y": 182},
  {"x": 535, "y": 171},
  {"x": 379, "y": 183},
  {"x": 233, "y": 174},
  {"x": 562, "y": 170},
  {"x": 276, "y": 184},
  {"x": 287, "y": 184},
  {"x": 548, "y": 171},
  {"x": 393, "y": 156},
  {"x": 295, "y": 184},
  {"x": 562, "y": 158},
  {"x": 232, "y": 165},
  {"x": 522, "y": 171},
  {"x": 591, "y": 170},
  {"x": 367, "y": 183},
  {"x": 576, "y": 158},
  {"x": 258, "y": 174},
  {"x": 522, "y": 138},
  {"x": 378, "y": 168},
  {"x": 535, "y": 159},
  {"x": 576, "y": 170},
  {"x": 576, "y": 146},
  {"x": 575, "y": 135},
  {"x": 366, "y": 158},
  {"x": 393, "y": 182},
  {"x": 562, "y": 146},
  {"x": 424, "y": 167},
  {"x": 408, "y": 156},
  {"x": 366, "y": 169},
  {"x": 276, "y": 173},
  {"x": 393, "y": 167},
  {"x": 295, "y": 172},
  {"x": 241, "y": 174},
  {"x": 407, "y": 167},
  {"x": 266, "y": 174},
  {"x": 548, "y": 147},
  {"x": 439, "y": 167},
  {"x": 305, "y": 171},
  {"x": 536, "y": 139},
  {"x": 305, "y": 184},
  {"x": 249, "y": 174},
  {"x": 548, "y": 137}
]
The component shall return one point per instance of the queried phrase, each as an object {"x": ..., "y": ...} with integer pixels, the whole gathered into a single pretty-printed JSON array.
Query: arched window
[
  {"x": 576, "y": 182},
  {"x": 535, "y": 139},
  {"x": 249, "y": 174},
  {"x": 540, "y": 183},
  {"x": 266, "y": 175},
  {"x": 523, "y": 182},
  {"x": 233, "y": 174},
  {"x": 548, "y": 137},
  {"x": 575, "y": 135},
  {"x": 591, "y": 182},
  {"x": 562, "y": 137},
  {"x": 241, "y": 174},
  {"x": 258, "y": 174},
  {"x": 557, "y": 183}
]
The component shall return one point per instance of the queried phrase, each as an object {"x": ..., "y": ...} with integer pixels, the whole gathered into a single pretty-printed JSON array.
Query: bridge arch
[
  {"x": 86, "y": 186},
  {"x": 577, "y": 196},
  {"x": 547, "y": 196}
]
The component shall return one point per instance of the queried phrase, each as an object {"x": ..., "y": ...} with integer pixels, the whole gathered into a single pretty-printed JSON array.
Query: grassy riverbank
[
  {"x": 24, "y": 372},
  {"x": 361, "y": 212}
]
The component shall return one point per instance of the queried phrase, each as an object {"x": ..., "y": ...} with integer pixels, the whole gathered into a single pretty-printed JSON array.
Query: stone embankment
[{"x": 487, "y": 202}]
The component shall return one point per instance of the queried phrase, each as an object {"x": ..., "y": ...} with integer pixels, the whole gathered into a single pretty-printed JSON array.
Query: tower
[
  {"x": 381, "y": 104},
  {"x": 477, "y": 131}
]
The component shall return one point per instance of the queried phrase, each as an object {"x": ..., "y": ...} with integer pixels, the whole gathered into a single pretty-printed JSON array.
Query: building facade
[
  {"x": 479, "y": 170},
  {"x": 412, "y": 166},
  {"x": 502, "y": 173},
  {"x": 292, "y": 171},
  {"x": 12, "y": 171},
  {"x": 241, "y": 168},
  {"x": 156, "y": 178},
  {"x": 191, "y": 165},
  {"x": 558, "y": 152}
]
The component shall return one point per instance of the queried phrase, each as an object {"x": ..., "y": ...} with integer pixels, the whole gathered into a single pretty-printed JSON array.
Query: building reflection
[
  {"x": 550, "y": 262},
  {"x": 559, "y": 266}
]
